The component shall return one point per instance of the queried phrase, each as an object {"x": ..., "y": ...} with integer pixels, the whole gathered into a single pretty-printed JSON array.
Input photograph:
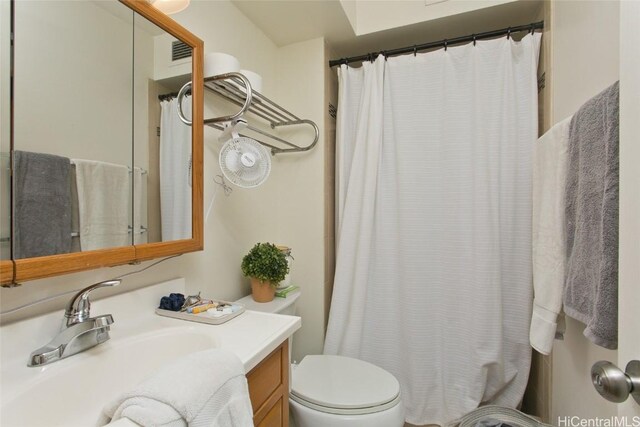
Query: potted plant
[{"x": 266, "y": 266}]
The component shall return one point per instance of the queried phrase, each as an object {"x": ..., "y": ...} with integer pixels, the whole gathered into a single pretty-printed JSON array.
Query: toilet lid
[{"x": 340, "y": 385}]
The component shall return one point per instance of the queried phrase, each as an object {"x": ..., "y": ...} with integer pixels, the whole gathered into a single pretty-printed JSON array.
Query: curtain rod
[
  {"x": 167, "y": 96},
  {"x": 441, "y": 43},
  {"x": 170, "y": 96}
]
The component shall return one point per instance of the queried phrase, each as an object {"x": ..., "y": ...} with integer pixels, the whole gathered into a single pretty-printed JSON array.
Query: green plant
[{"x": 266, "y": 263}]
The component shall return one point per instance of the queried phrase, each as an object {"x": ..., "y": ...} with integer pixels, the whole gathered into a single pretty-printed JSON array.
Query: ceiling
[{"x": 286, "y": 22}]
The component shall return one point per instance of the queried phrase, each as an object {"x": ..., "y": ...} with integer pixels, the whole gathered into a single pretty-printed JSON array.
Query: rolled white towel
[{"x": 203, "y": 389}]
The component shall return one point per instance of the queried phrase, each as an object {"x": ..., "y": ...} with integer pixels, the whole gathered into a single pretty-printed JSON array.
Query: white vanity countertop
[{"x": 141, "y": 341}]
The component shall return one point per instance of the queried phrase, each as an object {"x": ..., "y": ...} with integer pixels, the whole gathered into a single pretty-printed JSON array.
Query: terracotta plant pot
[{"x": 262, "y": 291}]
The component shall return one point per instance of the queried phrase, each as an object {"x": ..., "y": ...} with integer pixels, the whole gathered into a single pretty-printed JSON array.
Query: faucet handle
[
  {"x": 37, "y": 359},
  {"x": 78, "y": 309}
]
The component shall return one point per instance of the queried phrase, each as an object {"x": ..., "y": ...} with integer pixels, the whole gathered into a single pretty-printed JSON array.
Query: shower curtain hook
[
  {"x": 509, "y": 33},
  {"x": 384, "y": 53},
  {"x": 445, "y": 44},
  {"x": 474, "y": 39},
  {"x": 415, "y": 50},
  {"x": 532, "y": 29}
]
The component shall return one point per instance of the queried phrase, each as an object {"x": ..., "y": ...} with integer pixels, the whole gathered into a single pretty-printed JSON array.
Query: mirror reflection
[
  {"x": 100, "y": 158},
  {"x": 163, "y": 148},
  {"x": 5, "y": 135},
  {"x": 72, "y": 127}
]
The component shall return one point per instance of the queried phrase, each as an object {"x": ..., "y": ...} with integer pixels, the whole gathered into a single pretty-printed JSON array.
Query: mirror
[
  {"x": 162, "y": 146},
  {"x": 101, "y": 164},
  {"x": 5, "y": 134},
  {"x": 72, "y": 127}
]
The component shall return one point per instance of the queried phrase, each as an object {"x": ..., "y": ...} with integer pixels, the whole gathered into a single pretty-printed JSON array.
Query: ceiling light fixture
[{"x": 170, "y": 7}]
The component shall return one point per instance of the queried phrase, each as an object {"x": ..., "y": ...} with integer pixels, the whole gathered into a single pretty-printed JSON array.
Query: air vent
[{"x": 180, "y": 50}]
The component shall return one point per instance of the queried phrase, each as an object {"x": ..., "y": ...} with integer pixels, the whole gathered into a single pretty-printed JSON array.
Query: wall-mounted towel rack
[
  {"x": 142, "y": 171},
  {"x": 235, "y": 88},
  {"x": 142, "y": 230}
]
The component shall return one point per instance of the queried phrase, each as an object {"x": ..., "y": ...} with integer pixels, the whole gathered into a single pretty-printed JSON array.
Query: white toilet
[{"x": 337, "y": 391}]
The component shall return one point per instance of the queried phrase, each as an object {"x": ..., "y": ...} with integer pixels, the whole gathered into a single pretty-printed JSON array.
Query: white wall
[
  {"x": 287, "y": 209},
  {"x": 585, "y": 61},
  {"x": 585, "y": 52},
  {"x": 53, "y": 90},
  {"x": 629, "y": 292},
  {"x": 301, "y": 199}
]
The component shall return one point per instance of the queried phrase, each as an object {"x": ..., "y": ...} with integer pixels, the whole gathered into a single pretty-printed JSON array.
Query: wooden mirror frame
[{"x": 16, "y": 271}]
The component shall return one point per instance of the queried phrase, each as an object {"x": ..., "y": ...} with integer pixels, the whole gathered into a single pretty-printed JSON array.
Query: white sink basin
[
  {"x": 73, "y": 391},
  {"x": 83, "y": 385}
]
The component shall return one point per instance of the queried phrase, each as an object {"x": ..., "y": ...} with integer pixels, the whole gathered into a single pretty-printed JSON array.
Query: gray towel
[
  {"x": 591, "y": 287},
  {"x": 42, "y": 204}
]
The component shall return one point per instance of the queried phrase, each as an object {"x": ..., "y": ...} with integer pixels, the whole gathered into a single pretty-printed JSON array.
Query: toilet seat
[{"x": 343, "y": 385}]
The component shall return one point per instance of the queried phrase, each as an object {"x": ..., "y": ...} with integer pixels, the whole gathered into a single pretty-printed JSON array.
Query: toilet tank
[{"x": 278, "y": 305}]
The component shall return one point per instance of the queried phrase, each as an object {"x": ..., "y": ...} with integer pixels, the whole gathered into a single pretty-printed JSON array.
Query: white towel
[
  {"x": 207, "y": 388},
  {"x": 103, "y": 204},
  {"x": 549, "y": 243}
]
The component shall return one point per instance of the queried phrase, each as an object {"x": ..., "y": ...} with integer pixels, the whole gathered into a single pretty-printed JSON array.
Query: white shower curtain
[
  {"x": 175, "y": 171},
  {"x": 433, "y": 206}
]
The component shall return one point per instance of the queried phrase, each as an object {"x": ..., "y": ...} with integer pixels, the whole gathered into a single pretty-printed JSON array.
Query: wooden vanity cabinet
[{"x": 269, "y": 389}]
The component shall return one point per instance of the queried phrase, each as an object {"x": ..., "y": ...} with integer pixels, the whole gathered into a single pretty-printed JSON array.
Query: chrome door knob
[{"x": 615, "y": 385}]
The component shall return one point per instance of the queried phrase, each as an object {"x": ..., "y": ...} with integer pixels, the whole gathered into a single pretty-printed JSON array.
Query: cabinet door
[{"x": 269, "y": 389}]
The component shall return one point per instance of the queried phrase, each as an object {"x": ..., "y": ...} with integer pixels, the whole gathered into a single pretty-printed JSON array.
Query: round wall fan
[{"x": 244, "y": 161}]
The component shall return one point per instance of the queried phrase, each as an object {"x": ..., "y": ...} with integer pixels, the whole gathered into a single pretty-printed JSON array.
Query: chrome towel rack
[{"x": 236, "y": 88}]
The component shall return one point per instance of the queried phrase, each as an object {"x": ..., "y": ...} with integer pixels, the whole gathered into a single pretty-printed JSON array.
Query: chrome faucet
[{"x": 79, "y": 330}]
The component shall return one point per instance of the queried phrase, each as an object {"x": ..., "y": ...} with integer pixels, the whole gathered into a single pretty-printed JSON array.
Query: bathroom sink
[
  {"x": 83, "y": 385},
  {"x": 74, "y": 390}
]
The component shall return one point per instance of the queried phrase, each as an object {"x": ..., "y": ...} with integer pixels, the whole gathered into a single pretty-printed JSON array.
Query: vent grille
[
  {"x": 542, "y": 83},
  {"x": 333, "y": 111},
  {"x": 180, "y": 50}
]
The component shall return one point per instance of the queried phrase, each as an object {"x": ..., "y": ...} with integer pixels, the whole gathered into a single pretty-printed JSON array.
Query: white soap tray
[{"x": 203, "y": 317}]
